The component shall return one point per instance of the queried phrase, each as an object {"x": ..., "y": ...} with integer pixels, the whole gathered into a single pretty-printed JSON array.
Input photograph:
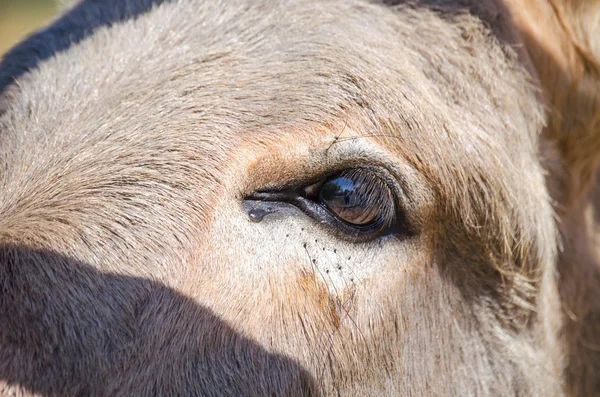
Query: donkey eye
[
  {"x": 355, "y": 204},
  {"x": 357, "y": 197}
]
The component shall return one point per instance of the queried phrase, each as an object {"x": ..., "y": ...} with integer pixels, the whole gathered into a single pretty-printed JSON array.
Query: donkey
[{"x": 302, "y": 198}]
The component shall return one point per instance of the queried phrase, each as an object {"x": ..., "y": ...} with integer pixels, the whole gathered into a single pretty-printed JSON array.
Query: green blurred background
[{"x": 18, "y": 18}]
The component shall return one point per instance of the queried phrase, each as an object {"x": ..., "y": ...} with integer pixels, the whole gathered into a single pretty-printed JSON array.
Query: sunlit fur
[{"x": 130, "y": 134}]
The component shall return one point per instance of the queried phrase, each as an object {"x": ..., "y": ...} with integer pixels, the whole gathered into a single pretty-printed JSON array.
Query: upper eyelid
[
  {"x": 297, "y": 183},
  {"x": 385, "y": 174}
]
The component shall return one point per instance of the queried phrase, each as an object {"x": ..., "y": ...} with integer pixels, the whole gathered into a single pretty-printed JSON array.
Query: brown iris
[{"x": 357, "y": 197}]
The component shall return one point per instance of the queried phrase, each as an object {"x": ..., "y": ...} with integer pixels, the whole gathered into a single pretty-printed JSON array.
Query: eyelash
[{"x": 306, "y": 198}]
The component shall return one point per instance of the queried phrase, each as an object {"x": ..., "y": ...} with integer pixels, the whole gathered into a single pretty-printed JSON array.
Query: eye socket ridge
[{"x": 357, "y": 203}]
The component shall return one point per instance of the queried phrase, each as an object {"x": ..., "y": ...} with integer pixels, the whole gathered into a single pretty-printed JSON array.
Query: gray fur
[{"x": 131, "y": 131}]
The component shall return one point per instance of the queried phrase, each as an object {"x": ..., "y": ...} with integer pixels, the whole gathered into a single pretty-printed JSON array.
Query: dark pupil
[{"x": 350, "y": 199}]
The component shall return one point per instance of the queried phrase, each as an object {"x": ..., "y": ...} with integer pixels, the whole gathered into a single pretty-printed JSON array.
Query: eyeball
[{"x": 357, "y": 197}]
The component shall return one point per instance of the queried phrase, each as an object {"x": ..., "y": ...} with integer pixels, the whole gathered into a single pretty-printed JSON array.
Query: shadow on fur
[{"x": 118, "y": 325}]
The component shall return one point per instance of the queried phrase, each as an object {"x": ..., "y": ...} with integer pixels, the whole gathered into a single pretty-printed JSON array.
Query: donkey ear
[{"x": 562, "y": 40}]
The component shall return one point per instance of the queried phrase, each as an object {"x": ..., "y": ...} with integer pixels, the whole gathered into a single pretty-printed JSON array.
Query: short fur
[{"x": 131, "y": 131}]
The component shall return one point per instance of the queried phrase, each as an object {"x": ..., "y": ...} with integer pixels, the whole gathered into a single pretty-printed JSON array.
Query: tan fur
[
  {"x": 563, "y": 41},
  {"x": 132, "y": 131}
]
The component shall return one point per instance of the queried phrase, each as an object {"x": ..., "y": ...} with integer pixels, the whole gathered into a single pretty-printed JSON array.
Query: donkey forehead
[{"x": 274, "y": 64}]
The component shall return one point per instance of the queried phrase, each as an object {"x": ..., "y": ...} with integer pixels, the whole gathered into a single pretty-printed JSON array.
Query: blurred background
[{"x": 18, "y": 18}]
